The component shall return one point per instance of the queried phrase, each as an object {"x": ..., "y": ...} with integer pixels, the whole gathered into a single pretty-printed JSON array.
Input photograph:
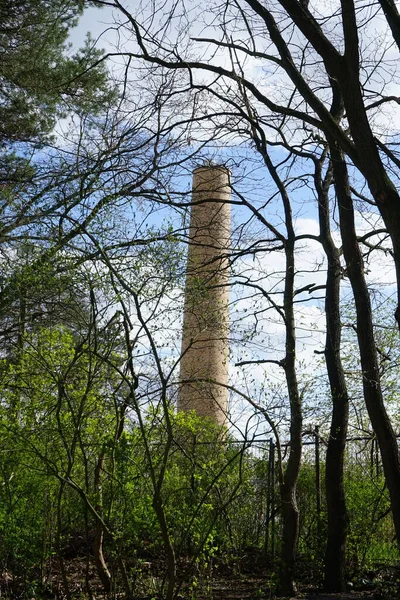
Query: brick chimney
[{"x": 205, "y": 335}]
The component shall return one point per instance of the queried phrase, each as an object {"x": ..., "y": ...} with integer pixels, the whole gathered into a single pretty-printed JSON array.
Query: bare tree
[{"x": 333, "y": 102}]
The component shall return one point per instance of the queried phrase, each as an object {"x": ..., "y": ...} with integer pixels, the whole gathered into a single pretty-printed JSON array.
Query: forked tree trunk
[
  {"x": 365, "y": 333},
  {"x": 343, "y": 70}
]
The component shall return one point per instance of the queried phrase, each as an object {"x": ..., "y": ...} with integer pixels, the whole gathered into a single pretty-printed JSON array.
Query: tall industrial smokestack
[{"x": 205, "y": 335}]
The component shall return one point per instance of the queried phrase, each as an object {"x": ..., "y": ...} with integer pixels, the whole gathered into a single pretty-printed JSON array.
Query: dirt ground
[
  {"x": 253, "y": 589},
  {"x": 225, "y": 586},
  {"x": 347, "y": 596}
]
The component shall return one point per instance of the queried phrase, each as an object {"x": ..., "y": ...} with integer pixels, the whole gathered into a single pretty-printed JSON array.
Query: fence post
[
  {"x": 318, "y": 482},
  {"x": 268, "y": 506},
  {"x": 273, "y": 499}
]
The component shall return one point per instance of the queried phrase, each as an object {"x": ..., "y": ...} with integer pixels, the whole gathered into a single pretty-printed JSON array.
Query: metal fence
[{"x": 371, "y": 531}]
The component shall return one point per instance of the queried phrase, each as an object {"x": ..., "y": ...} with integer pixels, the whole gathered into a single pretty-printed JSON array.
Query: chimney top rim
[{"x": 212, "y": 166}]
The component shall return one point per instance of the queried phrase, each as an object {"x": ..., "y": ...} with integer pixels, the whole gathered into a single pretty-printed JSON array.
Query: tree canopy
[{"x": 41, "y": 78}]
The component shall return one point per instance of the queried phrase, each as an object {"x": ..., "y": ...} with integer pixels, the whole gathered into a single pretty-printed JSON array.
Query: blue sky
[{"x": 251, "y": 179}]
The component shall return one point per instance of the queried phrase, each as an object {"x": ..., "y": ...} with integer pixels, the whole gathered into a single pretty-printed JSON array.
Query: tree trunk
[
  {"x": 171, "y": 560},
  {"x": 63, "y": 570},
  {"x": 335, "y": 554},
  {"x": 290, "y": 511},
  {"x": 365, "y": 334},
  {"x": 344, "y": 74},
  {"x": 392, "y": 17},
  {"x": 370, "y": 164},
  {"x": 288, "y": 487},
  {"x": 101, "y": 566}
]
